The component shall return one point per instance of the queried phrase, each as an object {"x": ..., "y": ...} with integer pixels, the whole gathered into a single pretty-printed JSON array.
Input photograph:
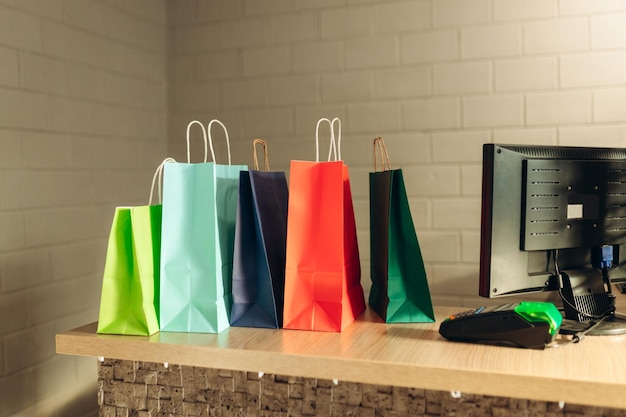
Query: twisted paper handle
[
  {"x": 379, "y": 144},
  {"x": 255, "y": 158}
]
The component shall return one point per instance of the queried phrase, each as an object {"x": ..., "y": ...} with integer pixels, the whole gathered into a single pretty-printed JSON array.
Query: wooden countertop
[{"x": 592, "y": 372}]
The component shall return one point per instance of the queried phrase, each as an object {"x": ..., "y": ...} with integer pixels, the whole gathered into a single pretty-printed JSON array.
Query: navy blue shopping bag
[{"x": 258, "y": 283}]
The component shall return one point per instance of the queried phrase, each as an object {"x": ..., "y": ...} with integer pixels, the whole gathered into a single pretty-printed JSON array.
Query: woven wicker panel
[{"x": 142, "y": 389}]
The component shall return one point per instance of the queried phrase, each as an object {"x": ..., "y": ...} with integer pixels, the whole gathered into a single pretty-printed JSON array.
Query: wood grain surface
[{"x": 592, "y": 372}]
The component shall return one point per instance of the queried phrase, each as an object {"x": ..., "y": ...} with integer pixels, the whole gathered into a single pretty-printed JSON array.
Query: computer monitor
[{"x": 554, "y": 219}]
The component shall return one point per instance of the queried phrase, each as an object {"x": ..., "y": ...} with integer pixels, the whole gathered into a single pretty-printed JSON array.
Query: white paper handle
[
  {"x": 204, "y": 137},
  {"x": 158, "y": 176},
  {"x": 208, "y": 129},
  {"x": 332, "y": 126},
  {"x": 335, "y": 143}
]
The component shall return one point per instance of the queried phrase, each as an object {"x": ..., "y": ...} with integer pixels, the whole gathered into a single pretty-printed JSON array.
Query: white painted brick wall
[
  {"x": 347, "y": 87},
  {"x": 491, "y": 41},
  {"x": 509, "y": 10},
  {"x": 460, "y": 12},
  {"x": 526, "y": 135},
  {"x": 410, "y": 82},
  {"x": 558, "y": 108},
  {"x": 402, "y": 16},
  {"x": 556, "y": 36},
  {"x": 607, "y": 31},
  {"x": 462, "y": 78},
  {"x": 212, "y": 66},
  {"x": 526, "y": 74},
  {"x": 83, "y": 111},
  {"x": 593, "y": 69},
  {"x": 429, "y": 46},
  {"x": 371, "y": 53},
  {"x": 348, "y": 22},
  {"x": 611, "y": 136},
  {"x": 609, "y": 105},
  {"x": 299, "y": 89},
  {"x": 83, "y": 124},
  {"x": 89, "y": 96},
  {"x": 493, "y": 111},
  {"x": 576, "y": 7},
  {"x": 274, "y": 60},
  {"x": 285, "y": 29},
  {"x": 432, "y": 114},
  {"x": 436, "y": 78}
]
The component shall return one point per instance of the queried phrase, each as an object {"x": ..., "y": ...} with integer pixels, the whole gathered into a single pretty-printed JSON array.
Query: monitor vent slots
[
  {"x": 543, "y": 203},
  {"x": 571, "y": 152},
  {"x": 564, "y": 208},
  {"x": 615, "y": 226},
  {"x": 589, "y": 304}
]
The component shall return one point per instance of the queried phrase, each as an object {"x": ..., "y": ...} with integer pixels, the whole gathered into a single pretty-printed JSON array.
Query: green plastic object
[{"x": 543, "y": 312}]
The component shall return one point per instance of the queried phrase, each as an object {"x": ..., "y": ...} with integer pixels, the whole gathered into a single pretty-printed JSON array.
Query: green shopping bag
[
  {"x": 129, "y": 302},
  {"x": 197, "y": 240},
  {"x": 399, "y": 292}
]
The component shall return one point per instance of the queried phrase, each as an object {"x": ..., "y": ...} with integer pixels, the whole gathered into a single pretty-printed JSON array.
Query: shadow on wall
[
  {"x": 77, "y": 403},
  {"x": 31, "y": 316},
  {"x": 55, "y": 380}
]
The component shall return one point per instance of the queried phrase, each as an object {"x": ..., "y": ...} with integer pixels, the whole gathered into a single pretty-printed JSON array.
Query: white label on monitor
[{"x": 574, "y": 211}]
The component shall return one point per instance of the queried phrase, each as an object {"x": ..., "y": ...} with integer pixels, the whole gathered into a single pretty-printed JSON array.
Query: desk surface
[{"x": 592, "y": 372}]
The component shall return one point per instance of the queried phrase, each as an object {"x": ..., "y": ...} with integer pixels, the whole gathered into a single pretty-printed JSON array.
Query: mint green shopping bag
[
  {"x": 399, "y": 292},
  {"x": 129, "y": 302},
  {"x": 198, "y": 232}
]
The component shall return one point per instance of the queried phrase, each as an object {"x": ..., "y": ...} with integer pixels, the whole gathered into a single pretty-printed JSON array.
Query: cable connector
[
  {"x": 602, "y": 256},
  {"x": 578, "y": 337}
]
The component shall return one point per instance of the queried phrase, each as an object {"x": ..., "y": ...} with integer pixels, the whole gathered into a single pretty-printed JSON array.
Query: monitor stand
[
  {"x": 610, "y": 327},
  {"x": 589, "y": 304}
]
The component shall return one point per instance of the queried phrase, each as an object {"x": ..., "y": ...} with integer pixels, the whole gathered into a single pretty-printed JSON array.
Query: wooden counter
[{"x": 592, "y": 372}]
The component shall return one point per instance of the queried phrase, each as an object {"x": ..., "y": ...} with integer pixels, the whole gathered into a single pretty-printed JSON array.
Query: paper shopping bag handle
[
  {"x": 254, "y": 154},
  {"x": 158, "y": 173},
  {"x": 208, "y": 129},
  {"x": 193, "y": 122},
  {"x": 335, "y": 143},
  {"x": 379, "y": 144}
]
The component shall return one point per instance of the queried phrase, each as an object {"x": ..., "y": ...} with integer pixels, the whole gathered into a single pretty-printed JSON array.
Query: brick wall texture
[
  {"x": 144, "y": 389},
  {"x": 436, "y": 78},
  {"x": 94, "y": 93},
  {"x": 83, "y": 120}
]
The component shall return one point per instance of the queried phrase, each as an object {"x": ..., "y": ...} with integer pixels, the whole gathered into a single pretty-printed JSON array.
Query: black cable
[
  {"x": 609, "y": 312},
  {"x": 600, "y": 318},
  {"x": 577, "y": 337}
]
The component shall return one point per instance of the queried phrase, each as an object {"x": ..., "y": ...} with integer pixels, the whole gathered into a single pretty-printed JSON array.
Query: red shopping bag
[{"x": 322, "y": 273}]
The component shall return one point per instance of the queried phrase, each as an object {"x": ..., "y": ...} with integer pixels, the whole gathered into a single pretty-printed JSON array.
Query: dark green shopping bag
[
  {"x": 129, "y": 302},
  {"x": 399, "y": 291}
]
